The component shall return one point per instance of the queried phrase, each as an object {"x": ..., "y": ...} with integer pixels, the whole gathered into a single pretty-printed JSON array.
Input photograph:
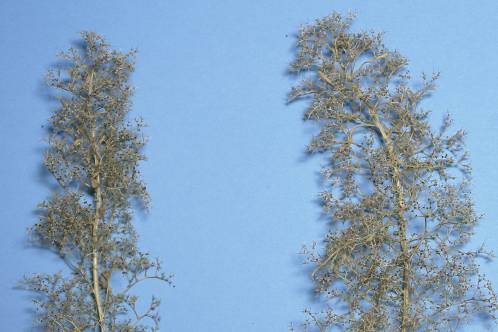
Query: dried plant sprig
[
  {"x": 397, "y": 192},
  {"x": 94, "y": 155}
]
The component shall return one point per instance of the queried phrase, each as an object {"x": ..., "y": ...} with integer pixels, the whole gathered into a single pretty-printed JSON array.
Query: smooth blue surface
[{"x": 232, "y": 192}]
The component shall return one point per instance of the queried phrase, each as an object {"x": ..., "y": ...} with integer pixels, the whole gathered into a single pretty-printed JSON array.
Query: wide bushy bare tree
[
  {"x": 94, "y": 156},
  {"x": 397, "y": 192}
]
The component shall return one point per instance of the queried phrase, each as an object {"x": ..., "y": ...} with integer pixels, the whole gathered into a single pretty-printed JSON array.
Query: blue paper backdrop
[{"x": 233, "y": 195}]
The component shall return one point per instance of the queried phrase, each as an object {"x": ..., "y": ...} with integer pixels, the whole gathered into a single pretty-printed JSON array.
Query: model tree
[
  {"x": 94, "y": 156},
  {"x": 397, "y": 192}
]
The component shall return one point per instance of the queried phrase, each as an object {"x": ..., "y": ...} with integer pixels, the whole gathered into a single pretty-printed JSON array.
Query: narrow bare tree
[
  {"x": 397, "y": 192},
  {"x": 94, "y": 156}
]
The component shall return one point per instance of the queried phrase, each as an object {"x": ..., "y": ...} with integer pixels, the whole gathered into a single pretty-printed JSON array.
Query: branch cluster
[
  {"x": 94, "y": 155},
  {"x": 397, "y": 191}
]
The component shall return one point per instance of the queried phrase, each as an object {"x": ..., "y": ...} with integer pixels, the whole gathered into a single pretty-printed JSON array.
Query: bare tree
[
  {"x": 94, "y": 156},
  {"x": 397, "y": 192}
]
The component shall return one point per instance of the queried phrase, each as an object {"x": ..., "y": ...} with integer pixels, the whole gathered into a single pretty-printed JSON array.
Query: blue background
[{"x": 233, "y": 195}]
